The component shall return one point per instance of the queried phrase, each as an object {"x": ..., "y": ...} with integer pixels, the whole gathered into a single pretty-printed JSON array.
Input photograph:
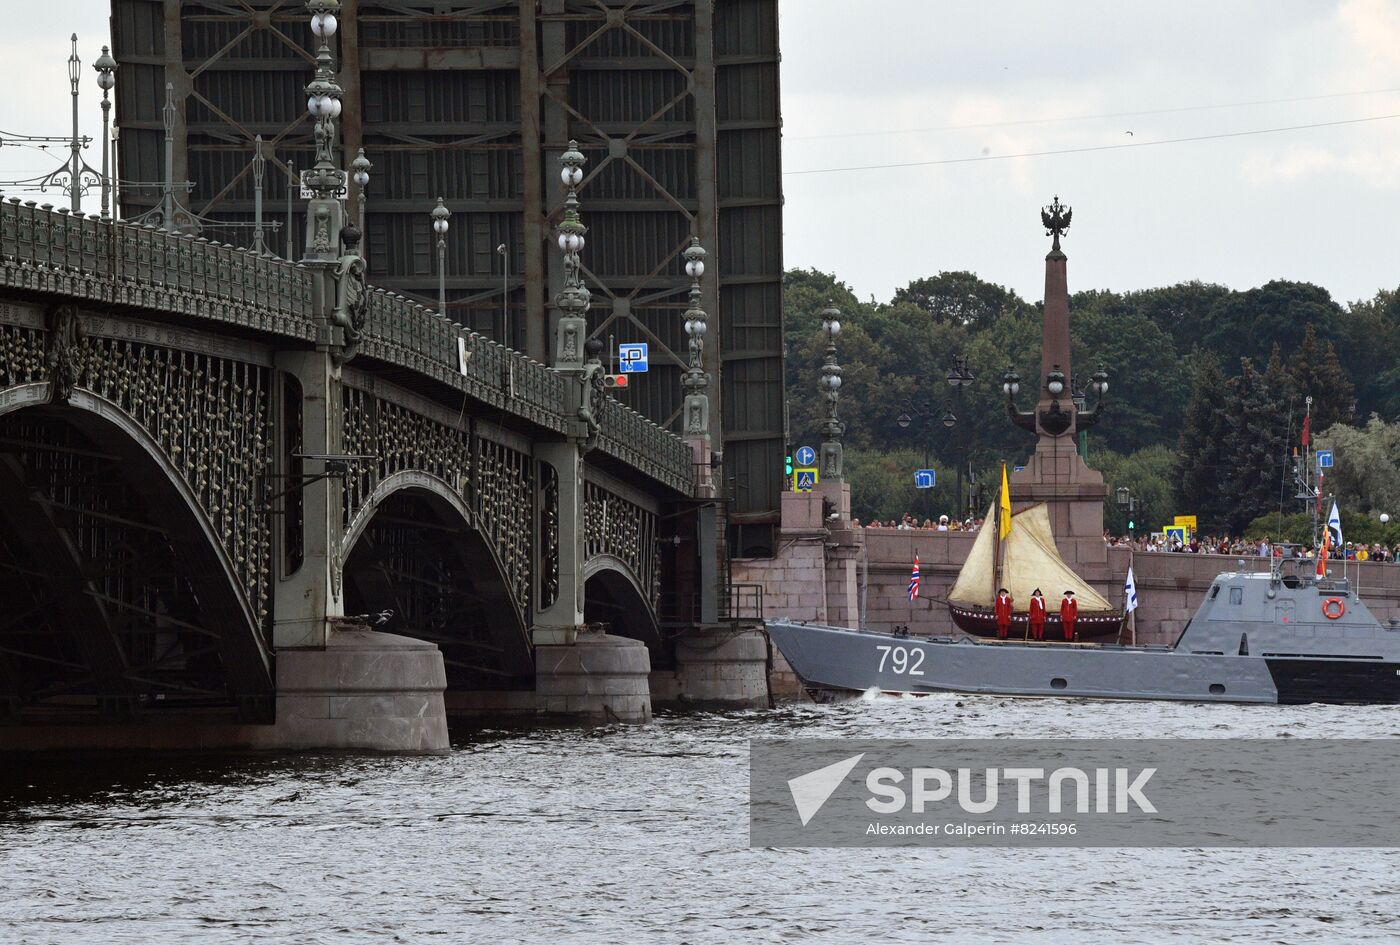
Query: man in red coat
[
  {"x": 1037, "y": 615},
  {"x": 1003, "y": 611},
  {"x": 1069, "y": 613}
]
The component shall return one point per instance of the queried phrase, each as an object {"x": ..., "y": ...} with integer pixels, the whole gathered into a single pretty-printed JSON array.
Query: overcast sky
[{"x": 906, "y": 81}]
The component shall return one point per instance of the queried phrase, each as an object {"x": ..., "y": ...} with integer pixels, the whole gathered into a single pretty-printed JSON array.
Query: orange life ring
[{"x": 1327, "y": 608}]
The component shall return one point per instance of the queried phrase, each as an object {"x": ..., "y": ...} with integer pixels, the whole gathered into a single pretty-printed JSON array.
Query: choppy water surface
[{"x": 634, "y": 835}]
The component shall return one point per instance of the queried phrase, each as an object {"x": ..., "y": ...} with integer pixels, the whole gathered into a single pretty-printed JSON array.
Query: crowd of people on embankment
[
  {"x": 1238, "y": 546},
  {"x": 1150, "y": 543},
  {"x": 910, "y": 522}
]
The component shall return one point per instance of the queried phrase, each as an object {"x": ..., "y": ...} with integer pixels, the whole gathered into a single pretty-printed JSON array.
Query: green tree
[
  {"x": 1247, "y": 324},
  {"x": 1369, "y": 346},
  {"x": 1148, "y": 475},
  {"x": 1366, "y": 477},
  {"x": 882, "y": 486},
  {"x": 959, "y": 298},
  {"x": 1317, "y": 372},
  {"x": 1182, "y": 310},
  {"x": 1256, "y": 447},
  {"x": 1149, "y": 385},
  {"x": 1200, "y": 450},
  {"x": 1295, "y": 527}
]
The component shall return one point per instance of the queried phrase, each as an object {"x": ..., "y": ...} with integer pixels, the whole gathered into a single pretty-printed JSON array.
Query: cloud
[{"x": 1373, "y": 29}]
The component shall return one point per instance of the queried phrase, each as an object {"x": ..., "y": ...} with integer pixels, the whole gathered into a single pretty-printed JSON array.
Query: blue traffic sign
[
  {"x": 806, "y": 456},
  {"x": 925, "y": 478},
  {"x": 632, "y": 359},
  {"x": 1324, "y": 459},
  {"x": 804, "y": 480},
  {"x": 1017, "y": 468}
]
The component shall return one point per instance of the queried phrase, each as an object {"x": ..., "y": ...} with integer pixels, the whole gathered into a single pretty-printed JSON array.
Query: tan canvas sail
[
  {"x": 974, "y": 583},
  {"x": 1029, "y": 560}
]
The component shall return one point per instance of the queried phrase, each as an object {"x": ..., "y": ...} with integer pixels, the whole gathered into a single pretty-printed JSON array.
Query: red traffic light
[{"x": 614, "y": 380}]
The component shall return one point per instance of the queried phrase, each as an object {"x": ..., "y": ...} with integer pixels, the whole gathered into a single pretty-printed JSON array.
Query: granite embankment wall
[{"x": 823, "y": 575}]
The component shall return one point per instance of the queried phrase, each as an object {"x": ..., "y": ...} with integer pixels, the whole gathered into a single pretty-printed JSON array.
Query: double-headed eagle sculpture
[{"x": 1056, "y": 218}]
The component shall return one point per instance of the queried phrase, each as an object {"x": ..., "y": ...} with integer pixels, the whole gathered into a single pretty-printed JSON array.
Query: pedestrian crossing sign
[{"x": 804, "y": 479}]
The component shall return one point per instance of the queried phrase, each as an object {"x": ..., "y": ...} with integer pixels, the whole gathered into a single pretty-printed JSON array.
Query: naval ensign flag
[{"x": 1130, "y": 592}]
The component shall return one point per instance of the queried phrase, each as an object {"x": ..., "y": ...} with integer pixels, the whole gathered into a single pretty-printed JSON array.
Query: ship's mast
[{"x": 996, "y": 551}]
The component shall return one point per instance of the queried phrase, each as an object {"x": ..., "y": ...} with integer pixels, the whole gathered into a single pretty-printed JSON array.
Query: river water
[{"x": 635, "y": 835}]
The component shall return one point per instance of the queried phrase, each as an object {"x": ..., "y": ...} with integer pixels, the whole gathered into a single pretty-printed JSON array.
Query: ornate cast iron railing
[
  {"x": 646, "y": 447},
  {"x": 86, "y": 258}
]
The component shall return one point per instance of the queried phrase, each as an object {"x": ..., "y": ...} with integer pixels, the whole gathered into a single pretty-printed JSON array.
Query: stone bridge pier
[{"x": 251, "y": 504}]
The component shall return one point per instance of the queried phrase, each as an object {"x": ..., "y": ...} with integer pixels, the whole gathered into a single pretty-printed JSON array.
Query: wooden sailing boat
[{"x": 1025, "y": 560}]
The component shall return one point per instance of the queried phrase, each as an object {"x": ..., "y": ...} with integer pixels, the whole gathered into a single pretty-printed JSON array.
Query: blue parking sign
[
  {"x": 632, "y": 359},
  {"x": 925, "y": 478}
]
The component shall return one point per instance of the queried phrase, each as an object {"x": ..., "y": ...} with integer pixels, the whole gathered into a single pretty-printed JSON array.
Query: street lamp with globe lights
[
  {"x": 830, "y": 383},
  {"x": 696, "y": 380},
  {"x": 959, "y": 377},
  {"x": 324, "y": 218},
  {"x": 574, "y": 299},
  {"x": 928, "y": 416},
  {"x": 440, "y": 215},
  {"x": 361, "y": 167},
  {"x": 106, "y": 68}
]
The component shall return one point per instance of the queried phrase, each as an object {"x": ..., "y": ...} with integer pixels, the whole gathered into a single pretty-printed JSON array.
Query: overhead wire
[
  {"x": 1090, "y": 148},
  {"x": 1011, "y": 123}
]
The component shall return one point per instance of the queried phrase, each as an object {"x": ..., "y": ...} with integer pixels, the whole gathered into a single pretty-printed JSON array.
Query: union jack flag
[{"x": 914, "y": 579}]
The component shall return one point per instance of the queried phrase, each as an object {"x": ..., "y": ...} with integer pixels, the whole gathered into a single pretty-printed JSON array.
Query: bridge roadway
[{"x": 178, "y": 564}]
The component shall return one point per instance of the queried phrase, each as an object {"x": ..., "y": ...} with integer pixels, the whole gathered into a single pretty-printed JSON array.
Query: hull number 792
[{"x": 901, "y": 660}]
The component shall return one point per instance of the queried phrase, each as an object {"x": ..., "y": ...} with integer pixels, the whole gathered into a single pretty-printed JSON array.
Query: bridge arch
[
  {"x": 414, "y": 547},
  {"x": 613, "y": 596},
  {"x": 137, "y": 604}
]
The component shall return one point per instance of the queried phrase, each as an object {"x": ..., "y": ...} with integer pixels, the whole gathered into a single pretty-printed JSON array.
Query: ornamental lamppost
[
  {"x": 259, "y": 169},
  {"x": 696, "y": 380},
  {"x": 929, "y": 417},
  {"x": 831, "y": 455},
  {"x": 573, "y": 300},
  {"x": 75, "y": 144},
  {"x": 325, "y": 215},
  {"x": 440, "y": 216},
  {"x": 106, "y": 68},
  {"x": 361, "y": 166},
  {"x": 958, "y": 378}
]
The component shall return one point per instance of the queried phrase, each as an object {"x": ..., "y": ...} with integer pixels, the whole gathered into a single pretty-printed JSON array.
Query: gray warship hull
[{"x": 1256, "y": 643}]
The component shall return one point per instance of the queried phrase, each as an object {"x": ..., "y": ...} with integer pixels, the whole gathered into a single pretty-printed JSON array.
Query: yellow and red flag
[{"x": 1005, "y": 505}]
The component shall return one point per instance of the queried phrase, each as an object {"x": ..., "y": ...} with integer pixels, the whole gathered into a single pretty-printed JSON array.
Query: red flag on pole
[{"x": 1307, "y": 430}]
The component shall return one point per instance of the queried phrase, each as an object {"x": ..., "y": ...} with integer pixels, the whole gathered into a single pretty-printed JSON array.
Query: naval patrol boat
[{"x": 1285, "y": 635}]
